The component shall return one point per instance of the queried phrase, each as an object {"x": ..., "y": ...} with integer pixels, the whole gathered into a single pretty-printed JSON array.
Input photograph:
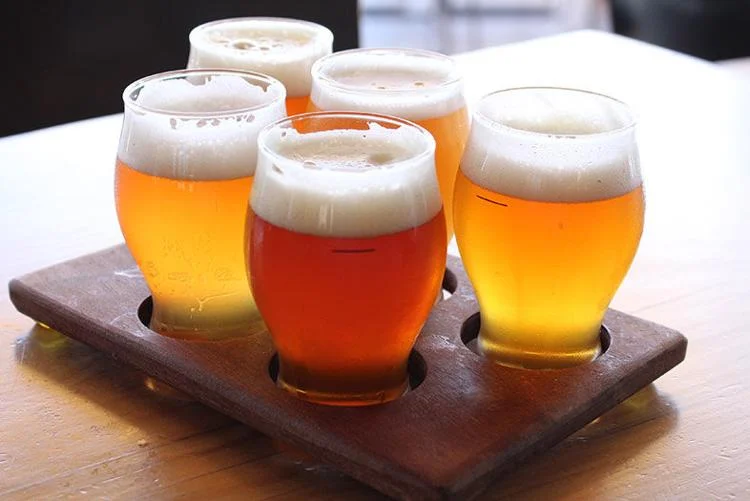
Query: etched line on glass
[
  {"x": 491, "y": 201},
  {"x": 352, "y": 251}
]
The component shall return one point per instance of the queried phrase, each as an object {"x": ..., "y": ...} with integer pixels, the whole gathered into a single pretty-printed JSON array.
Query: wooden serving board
[{"x": 468, "y": 421}]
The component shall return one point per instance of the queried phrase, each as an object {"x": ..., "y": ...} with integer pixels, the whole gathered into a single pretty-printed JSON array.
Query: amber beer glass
[
  {"x": 421, "y": 86},
  {"x": 346, "y": 242},
  {"x": 549, "y": 212},
  {"x": 282, "y": 48},
  {"x": 184, "y": 171}
]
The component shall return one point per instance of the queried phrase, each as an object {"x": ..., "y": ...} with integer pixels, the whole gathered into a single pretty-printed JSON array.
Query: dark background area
[
  {"x": 710, "y": 29},
  {"x": 70, "y": 60}
]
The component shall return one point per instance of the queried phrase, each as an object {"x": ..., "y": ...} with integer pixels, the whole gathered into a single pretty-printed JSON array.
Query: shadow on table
[
  {"x": 166, "y": 416},
  {"x": 595, "y": 451},
  {"x": 150, "y": 405},
  {"x": 102, "y": 380}
]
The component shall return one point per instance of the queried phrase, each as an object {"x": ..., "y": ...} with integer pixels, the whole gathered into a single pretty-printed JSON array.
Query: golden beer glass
[
  {"x": 549, "y": 211},
  {"x": 421, "y": 86},
  {"x": 282, "y": 48},
  {"x": 346, "y": 246},
  {"x": 183, "y": 176}
]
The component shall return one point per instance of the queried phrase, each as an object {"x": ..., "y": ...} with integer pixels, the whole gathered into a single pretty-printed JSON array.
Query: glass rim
[
  {"x": 629, "y": 124},
  {"x": 321, "y": 31},
  {"x": 141, "y": 83},
  {"x": 365, "y": 116},
  {"x": 454, "y": 76}
]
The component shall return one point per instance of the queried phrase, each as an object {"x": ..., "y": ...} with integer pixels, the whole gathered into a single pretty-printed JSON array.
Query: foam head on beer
[
  {"x": 283, "y": 48},
  {"x": 552, "y": 145},
  {"x": 201, "y": 127},
  {"x": 411, "y": 84},
  {"x": 347, "y": 182}
]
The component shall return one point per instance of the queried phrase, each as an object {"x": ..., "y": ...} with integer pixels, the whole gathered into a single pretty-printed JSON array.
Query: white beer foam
[
  {"x": 180, "y": 130},
  {"x": 553, "y": 146},
  {"x": 347, "y": 183},
  {"x": 406, "y": 84},
  {"x": 282, "y": 48}
]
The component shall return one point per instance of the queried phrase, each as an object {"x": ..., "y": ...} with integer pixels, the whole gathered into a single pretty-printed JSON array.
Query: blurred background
[
  {"x": 454, "y": 26},
  {"x": 71, "y": 60},
  {"x": 710, "y": 29}
]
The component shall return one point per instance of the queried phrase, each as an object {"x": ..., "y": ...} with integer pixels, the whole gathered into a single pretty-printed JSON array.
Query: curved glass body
[
  {"x": 184, "y": 171},
  {"x": 346, "y": 246},
  {"x": 549, "y": 211}
]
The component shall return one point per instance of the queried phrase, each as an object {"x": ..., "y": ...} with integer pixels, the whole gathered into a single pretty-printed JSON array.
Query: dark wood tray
[{"x": 468, "y": 421}]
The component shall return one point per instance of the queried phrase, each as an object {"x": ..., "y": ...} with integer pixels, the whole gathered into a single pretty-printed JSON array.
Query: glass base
[
  {"x": 522, "y": 358},
  {"x": 232, "y": 323},
  {"x": 345, "y": 399},
  {"x": 203, "y": 333}
]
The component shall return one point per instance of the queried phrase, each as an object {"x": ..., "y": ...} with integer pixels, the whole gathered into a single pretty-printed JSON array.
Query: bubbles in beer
[
  {"x": 552, "y": 145},
  {"x": 210, "y": 95},
  {"x": 282, "y": 48},
  {"x": 346, "y": 150},
  {"x": 198, "y": 127},
  {"x": 347, "y": 183},
  {"x": 558, "y": 114},
  {"x": 415, "y": 85}
]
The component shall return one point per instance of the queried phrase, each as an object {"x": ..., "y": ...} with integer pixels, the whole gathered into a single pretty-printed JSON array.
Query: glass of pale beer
[
  {"x": 549, "y": 211},
  {"x": 184, "y": 170},
  {"x": 346, "y": 245},
  {"x": 282, "y": 48},
  {"x": 422, "y": 86}
]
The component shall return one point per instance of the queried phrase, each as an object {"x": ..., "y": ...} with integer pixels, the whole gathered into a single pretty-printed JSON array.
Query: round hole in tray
[
  {"x": 450, "y": 284},
  {"x": 417, "y": 369},
  {"x": 145, "y": 310},
  {"x": 470, "y": 331}
]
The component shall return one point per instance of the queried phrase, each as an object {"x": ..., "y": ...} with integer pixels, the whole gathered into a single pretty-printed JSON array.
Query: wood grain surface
[
  {"x": 76, "y": 424},
  {"x": 467, "y": 421}
]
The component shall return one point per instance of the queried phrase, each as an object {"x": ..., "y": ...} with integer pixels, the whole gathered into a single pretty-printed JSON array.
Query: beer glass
[
  {"x": 346, "y": 245},
  {"x": 421, "y": 86},
  {"x": 183, "y": 175},
  {"x": 549, "y": 212},
  {"x": 282, "y": 48}
]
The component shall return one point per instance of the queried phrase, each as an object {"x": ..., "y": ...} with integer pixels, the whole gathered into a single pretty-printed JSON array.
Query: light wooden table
[{"x": 74, "y": 423}]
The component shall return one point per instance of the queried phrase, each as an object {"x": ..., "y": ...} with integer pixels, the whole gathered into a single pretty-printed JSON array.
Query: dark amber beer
[
  {"x": 549, "y": 211},
  {"x": 282, "y": 48},
  {"x": 422, "y": 86},
  {"x": 183, "y": 177},
  {"x": 346, "y": 244}
]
